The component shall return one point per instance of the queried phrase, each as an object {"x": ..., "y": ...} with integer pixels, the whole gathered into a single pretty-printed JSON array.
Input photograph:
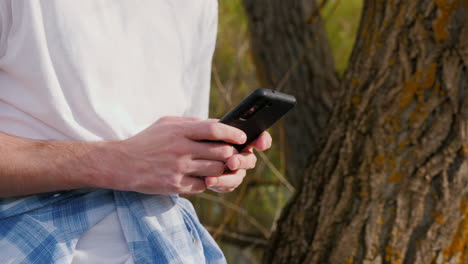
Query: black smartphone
[{"x": 257, "y": 112}]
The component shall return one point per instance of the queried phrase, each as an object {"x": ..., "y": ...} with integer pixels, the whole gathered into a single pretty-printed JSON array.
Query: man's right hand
[{"x": 169, "y": 157}]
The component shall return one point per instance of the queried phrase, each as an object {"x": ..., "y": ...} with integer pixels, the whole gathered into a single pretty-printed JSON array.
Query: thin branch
[
  {"x": 279, "y": 209},
  {"x": 219, "y": 84},
  {"x": 333, "y": 9},
  {"x": 260, "y": 182},
  {"x": 243, "y": 240},
  {"x": 230, "y": 214},
  {"x": 242, "y": 50},
  {"x": 248, "y": 217},
  {"x": 275, "y": 171},
  {"x": 316, "y": 12}
]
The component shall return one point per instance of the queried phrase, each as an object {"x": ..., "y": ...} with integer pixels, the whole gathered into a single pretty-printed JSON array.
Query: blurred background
[{"x": 242, "y": 221}]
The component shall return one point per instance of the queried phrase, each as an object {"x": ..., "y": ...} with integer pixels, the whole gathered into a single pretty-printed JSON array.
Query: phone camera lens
[{"x": 248, "y": 113}]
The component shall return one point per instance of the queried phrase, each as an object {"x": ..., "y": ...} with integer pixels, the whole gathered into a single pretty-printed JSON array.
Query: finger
[
  {"x": 175, "y": 119},
  {"x": 244, "y": 160},
  {"x": 206, "y": 168},
  {"x": 211, "y": 151},
  {"x": 190, "y": 184},
  {"x": 225, "y": 181},
  {"x": 208, "y": 130},
  {"x": 263, "y": 142}
]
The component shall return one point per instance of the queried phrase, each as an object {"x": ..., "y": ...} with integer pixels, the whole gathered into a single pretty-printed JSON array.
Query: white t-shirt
[{"x": 94, "y": 70}]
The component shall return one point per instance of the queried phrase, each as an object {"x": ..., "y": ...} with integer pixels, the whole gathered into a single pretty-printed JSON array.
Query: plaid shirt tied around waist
[{"x": 158, "y": 228}]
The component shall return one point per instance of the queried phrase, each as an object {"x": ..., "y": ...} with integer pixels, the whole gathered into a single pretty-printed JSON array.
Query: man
[{"x": 90, "y": 161}]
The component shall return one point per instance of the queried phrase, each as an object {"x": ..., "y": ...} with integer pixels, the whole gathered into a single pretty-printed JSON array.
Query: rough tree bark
[
  {"x": 391, "y": 182},
  {"x": 292, "y": 54}
]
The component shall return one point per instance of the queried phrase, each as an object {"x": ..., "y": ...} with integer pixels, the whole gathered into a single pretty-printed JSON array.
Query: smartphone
[{"x": 258, "y": 112}]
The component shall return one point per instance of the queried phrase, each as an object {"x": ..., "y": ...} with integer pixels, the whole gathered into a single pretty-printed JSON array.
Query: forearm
[
  {"x": 170, "y": 156},
  {"x": 29, "y": 167}
]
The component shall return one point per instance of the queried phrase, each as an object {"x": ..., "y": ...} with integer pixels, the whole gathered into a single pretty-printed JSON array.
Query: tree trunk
[
  {"x": 292, "y": 54},
  {"x": 391, "y": 182}
]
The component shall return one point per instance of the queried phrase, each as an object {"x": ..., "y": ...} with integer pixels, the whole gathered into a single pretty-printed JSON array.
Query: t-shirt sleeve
[{"x": 199, "y": 105}]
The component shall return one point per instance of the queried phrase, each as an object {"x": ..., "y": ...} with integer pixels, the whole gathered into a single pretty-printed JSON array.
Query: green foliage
[
  {"x": 233, "y": 73},
  {"x": 341, "y": 19}
]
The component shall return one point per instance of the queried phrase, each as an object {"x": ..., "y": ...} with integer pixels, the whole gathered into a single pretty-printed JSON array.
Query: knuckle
[
  {"x": 176, "y": 147},
  {"x": 174, "y": 184},
  {"x": 227, "y": 151},
  {"x": 181, "y": 166},
  {"x": 219, "y": 168},
  {"x": 177, "y": 130},
  {"x": 254, "y": 161},
  {"x": 212, "y": 129},
  {"x": 213, "y": 168},
  {"x": 172, "y": 145}
]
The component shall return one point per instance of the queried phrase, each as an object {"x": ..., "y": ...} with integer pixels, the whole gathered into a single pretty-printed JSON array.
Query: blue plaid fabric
[{"x": 158, "y": 228}]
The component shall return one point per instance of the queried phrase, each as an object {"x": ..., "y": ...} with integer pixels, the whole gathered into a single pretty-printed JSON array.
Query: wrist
[
  {"x": 106, "y": 161},
  {"x": 93, "y": 165}
]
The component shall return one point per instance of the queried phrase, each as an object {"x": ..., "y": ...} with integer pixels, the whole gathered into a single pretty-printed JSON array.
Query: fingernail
[{"x": 243, "y": 138}]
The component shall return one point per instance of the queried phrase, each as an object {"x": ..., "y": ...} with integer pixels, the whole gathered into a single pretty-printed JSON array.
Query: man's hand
[
  {"x": 169, "y": 157},
  {"x": 238, "y": 164}
]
